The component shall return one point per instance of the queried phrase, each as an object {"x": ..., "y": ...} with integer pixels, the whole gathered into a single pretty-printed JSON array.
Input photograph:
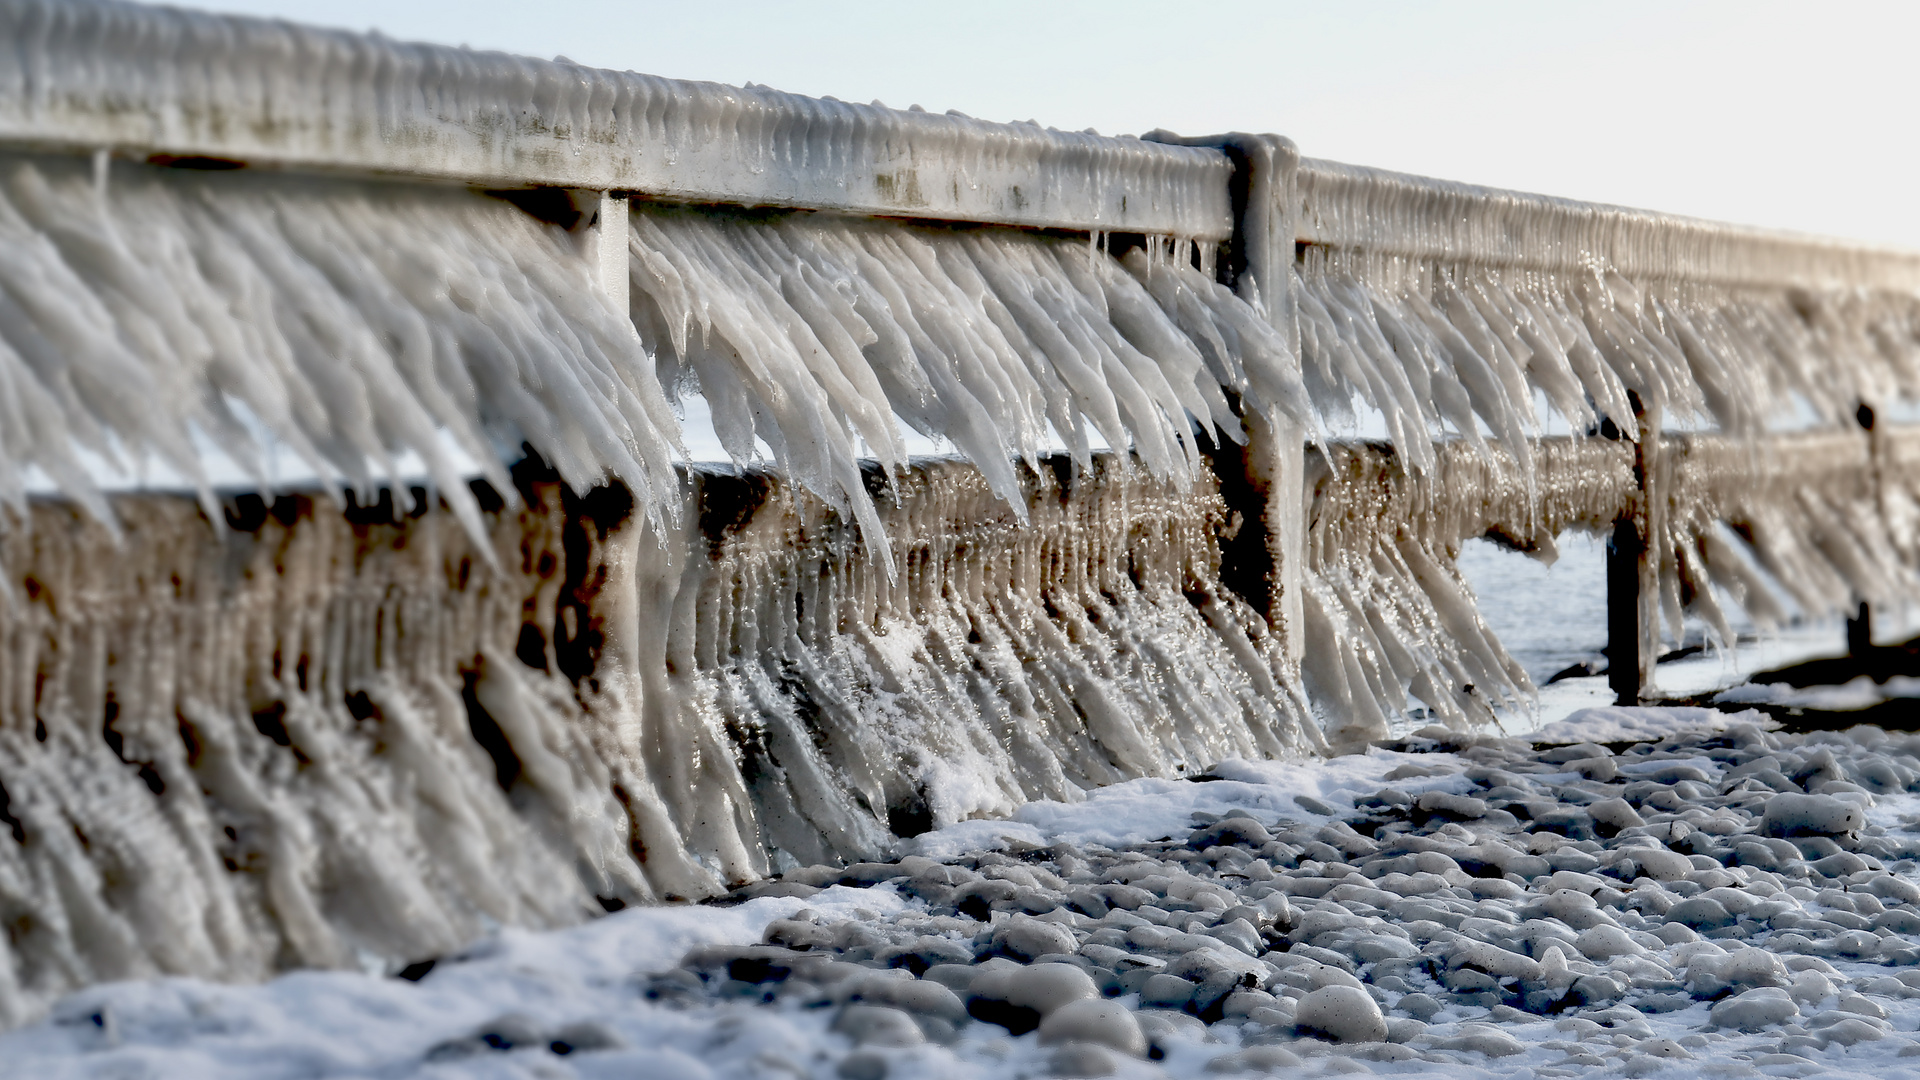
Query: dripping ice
[{"x": 603, "y": 677}]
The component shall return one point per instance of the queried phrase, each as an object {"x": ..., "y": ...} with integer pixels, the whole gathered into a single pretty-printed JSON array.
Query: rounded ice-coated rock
[
  {"x": 1082, "y": 1059},
  {"x": 1165, "y": 992},
  {"x": 591, "y": 1035},
  {"x": 1755, "y": 1009},
  {"x": 877, "y": 1025},
  {"x": 1811, "y": 815},
  {"x": 862, "y": 1065},
  {"x": 1700, "y": 913},
  {"x": 1484, "y": 1038},
  {"x": 1748, "y": 969},
  {"x": 1046, "y": 987},
  {"x": 1850, "y": 1031},
  {"x": 1232, "y": 829},
  {"x": 914, "y": 995},
  {"x": 1603, "y": 769},
  {"x": 1615, "y": 813},
  {"x": 1027, "y": 938},
  {"x": 1810, "y": 987},
  {"x": 1460, "y": 806},
  {"x": 1104, "y": 1023},
  {"x": 1262, "y": 1059},
  {"x": 1419, "y": 1006},
  {"x": 1605, "y": 942},
  {"x": 1341, "y": 1013}
]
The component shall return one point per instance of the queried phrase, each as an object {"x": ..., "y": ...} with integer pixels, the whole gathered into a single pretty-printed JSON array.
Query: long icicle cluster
[
  {"x": 813, "y": 333},
  {"x": 1466, "y": 351},
  {"x": 354, "y": 323}
]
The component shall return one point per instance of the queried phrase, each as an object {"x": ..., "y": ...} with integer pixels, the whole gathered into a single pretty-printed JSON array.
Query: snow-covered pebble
[{"x": 1726, "y": 900}]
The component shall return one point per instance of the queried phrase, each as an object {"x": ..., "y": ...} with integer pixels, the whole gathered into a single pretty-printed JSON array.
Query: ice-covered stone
[
  {"x": 1811, "y": 815},
  {"x": 1755, "y": 1009},
  {"x": 1341, "y": 1013},
  {"x": 1106, "y": 1023},
  {"x": 877, "y": 1025}
]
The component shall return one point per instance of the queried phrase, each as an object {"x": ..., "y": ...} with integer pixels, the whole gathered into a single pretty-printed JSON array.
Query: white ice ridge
[
  {"x": 355, "y": 322},
  {"x": 814, "y": 332},
  {"x": 83, "y": 74}
]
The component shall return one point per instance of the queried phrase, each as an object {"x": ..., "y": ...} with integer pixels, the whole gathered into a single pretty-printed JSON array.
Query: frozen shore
[{"x": 1712, "y": 900}]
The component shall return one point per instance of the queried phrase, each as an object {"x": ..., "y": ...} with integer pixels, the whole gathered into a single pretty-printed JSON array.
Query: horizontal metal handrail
[
  {"x": 179, "y": 85},
  {"x": 1396, "y": 215}
]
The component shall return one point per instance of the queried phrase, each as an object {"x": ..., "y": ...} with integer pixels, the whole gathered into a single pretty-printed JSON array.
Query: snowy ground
[{"x": 1643, "y": 919}]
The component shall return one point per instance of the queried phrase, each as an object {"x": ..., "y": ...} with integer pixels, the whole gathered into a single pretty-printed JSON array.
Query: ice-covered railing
[
  {"x": 259, "y": 732},
  {"x": 206, "y": 89},
  {"x": 1457, "y": 311}
]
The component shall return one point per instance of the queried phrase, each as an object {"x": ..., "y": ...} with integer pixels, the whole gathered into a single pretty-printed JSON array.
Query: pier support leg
[
  {"x": 1860, "y": 623},
  {"x": 1860, "y": 631},
  {"x": 1625, "y": 554},
  {"x": 1633, "y": 582},
  {"x": 1268, "y": 568}
]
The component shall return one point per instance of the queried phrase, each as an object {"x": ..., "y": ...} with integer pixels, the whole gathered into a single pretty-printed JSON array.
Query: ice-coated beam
[
  {"x": 1396, "y": 215},
  {"x": 215, "y": 90}
]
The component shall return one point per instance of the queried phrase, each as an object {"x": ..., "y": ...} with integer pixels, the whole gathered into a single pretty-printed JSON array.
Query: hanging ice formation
[
  {"x": 363, "y": 720},
  {"x": 1457, "y": 310}
]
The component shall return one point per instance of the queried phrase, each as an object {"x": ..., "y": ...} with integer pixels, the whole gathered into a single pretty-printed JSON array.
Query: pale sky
[{"x": 1798, "y": 116}]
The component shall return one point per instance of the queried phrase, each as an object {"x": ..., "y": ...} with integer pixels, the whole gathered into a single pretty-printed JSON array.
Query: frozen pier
[{"x": 500, "y": 655}]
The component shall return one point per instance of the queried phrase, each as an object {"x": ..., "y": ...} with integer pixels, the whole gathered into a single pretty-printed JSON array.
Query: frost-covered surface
[
  {"x": 319, "y": 737},
  {"x": 1860, "y": 693},
  {"x": 102, "y": 73},
  {"x": 1682, "y": 909}
]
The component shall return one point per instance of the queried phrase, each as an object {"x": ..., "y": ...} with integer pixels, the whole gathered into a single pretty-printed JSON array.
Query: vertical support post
[
  {"x": 1860, "y": 631},
  {"x": 1266, "y": 564},
  {"x": 1276, "y": 446},
  {"x": 603, "y": 217},
  {"x": 1860, "y": 624},
  {"x": 1633, "y": 583},
  {"x": 1625, "y": 554}
]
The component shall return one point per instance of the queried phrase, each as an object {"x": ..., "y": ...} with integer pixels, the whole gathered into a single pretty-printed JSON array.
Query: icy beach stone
[
  {"x": 1232, "y": 829},
  {"x": 1104, "y": 1023},
  {"x": 1262, "y": 1059},
  {"x": 1025, "y": 938},
  {"x": 1755, "y": 1009},
  {"x": 1701, "y": 913},
  {"x": 1811, "y": 815},
  {"x": 1482, "y": 1039},
  {"x": 917, "y": 996},
  {"x": 1081, "y": 1060},
  {"x": 877, "y": 1025},
  {"x": 1046, "y": 987},
  {"x": 1342, "y": 1014},
  {"x": 1604, "y": 942}
]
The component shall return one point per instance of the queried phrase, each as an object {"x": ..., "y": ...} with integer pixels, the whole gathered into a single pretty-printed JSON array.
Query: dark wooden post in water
[
  {"x": 1625, "y": 552},
  {"x": 1632, "y": 587},
  {"x": 1860, "y": 623},
  {"x": 1860, "y": 631}
]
